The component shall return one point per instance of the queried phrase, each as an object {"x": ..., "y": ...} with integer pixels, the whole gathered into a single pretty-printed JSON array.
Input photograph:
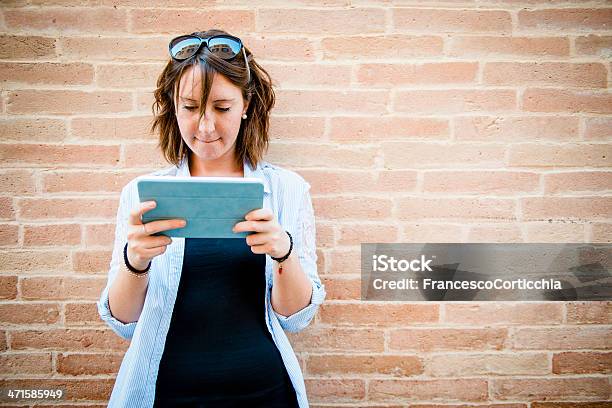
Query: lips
[{"x": 208, "y": 141}]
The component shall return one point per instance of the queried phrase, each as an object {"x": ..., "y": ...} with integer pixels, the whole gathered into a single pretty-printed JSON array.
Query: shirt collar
[{"x": 257, "y": 172}]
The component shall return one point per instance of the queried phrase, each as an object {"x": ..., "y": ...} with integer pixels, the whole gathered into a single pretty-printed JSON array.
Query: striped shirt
[{"x": 287, "y": 195}]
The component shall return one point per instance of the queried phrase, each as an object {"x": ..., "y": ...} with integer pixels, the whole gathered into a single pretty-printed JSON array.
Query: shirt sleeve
[
  {"x": 304, "y": 244},
  {"x": 125, "y": 330}
]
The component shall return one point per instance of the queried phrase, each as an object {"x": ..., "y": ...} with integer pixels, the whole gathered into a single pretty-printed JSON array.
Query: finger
[
  {"x": 259, "y": 238},
  {"x": 155, "y": 242},
  {"x": 136, "y": 214},
  {"x": 259, "y": 249},
  {"x": 154, "y": 227},
  {"x": 153, "y": 252},
  {"x": 256, "y": 226},
  {"x": 263, "y": 214}
]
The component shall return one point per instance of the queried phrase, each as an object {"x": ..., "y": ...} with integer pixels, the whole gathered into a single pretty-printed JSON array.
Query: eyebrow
[{"x": 216, "y": 100}]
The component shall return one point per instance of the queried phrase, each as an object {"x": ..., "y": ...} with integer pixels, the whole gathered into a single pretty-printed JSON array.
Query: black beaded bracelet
[
  {"x": 279, "y": 260},
  {"x": 130, "y": 267}
]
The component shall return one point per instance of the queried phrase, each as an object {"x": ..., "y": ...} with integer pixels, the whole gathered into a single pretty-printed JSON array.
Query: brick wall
[{"x": 414, "y": 121}]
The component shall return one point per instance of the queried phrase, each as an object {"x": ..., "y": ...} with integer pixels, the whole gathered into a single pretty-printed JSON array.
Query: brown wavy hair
[{"x": 252, "y": 140}]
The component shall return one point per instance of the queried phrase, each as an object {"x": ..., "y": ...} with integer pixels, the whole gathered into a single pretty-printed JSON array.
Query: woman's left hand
[{"x": 269, "y": 237}]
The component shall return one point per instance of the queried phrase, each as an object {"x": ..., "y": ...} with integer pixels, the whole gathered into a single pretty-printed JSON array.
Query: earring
[{"x": 244, "y": 116}]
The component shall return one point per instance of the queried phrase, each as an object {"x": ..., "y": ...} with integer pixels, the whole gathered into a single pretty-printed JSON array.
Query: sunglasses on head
[{"x": 223, "y": 46}]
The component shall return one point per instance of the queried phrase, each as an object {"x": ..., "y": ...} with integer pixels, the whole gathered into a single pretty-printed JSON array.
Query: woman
[{"x": 206, "y": 316}]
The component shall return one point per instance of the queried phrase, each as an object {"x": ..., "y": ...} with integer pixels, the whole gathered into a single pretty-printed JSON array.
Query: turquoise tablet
[{"x": 211, "y": 205}]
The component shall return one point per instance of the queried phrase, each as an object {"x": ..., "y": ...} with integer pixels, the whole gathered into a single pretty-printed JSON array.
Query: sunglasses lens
[
  {"x": 224, "y": 47},
  {"x": 184, "y": 47}
]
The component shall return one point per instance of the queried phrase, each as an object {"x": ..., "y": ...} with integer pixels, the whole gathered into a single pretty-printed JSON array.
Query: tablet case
[{"x": 211, "y": 205}]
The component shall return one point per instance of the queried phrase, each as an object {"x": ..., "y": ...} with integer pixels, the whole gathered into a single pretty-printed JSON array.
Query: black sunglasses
[{"x": 223, "y": 46}]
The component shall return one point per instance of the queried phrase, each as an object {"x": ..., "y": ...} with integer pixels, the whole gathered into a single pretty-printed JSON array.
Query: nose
[{"x": 207, "y": 124}]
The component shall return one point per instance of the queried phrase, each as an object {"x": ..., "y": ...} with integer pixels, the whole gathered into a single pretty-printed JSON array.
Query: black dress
[{"x": 218, "y": 351}]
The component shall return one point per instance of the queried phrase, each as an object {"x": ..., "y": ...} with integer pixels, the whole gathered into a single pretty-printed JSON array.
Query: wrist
[
  {"x": 135, "y": 267},
  {"x": 283, "y": 256}
]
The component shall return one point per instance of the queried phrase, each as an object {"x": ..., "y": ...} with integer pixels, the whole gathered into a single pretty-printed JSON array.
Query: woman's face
[{"x": 215, "y": 135}]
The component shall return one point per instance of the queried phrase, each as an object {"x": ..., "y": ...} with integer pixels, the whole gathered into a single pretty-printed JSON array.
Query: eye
[
  {"x": 223, "y": 109},
  {"x": 190, "y": 108}
]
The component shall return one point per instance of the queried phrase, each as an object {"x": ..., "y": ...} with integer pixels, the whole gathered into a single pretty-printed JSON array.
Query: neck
[{"x": 220, "y": 167}]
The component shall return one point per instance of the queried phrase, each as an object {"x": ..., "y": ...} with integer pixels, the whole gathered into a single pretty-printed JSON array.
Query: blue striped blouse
[{"x": 287, "y": 195}]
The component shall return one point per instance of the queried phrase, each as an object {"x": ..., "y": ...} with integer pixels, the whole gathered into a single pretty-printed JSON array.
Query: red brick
[
  {"x": 374, "y": 129},
  {"x": 88, "y": 364},
  {"x": 340, "y": 288},
  {"x": 577, "y": 181},
  {"x": 454, "y": 101},
  {"x": 344, "y": 207},
  {"x": 158, "y": 21},
  {"x": 399, "y": 155},
  {"x": 29, "y": 313},
  {"x": 325, "y": 234},
  {"x": 312, "y": 101},
  {"x": 598, "y": 128},
  {"x": 114, "y": 48},
  {"x": 318, "y": 339},
  {"x": 490, "y": 313},
  {"x": 455, "y": 208},
  {"x": 425, "y": 389},
  {"x": 478, "y": 182},
  {"x": 130, "y": 75},
  {"x": 475, "y": 46},
  {"x": 566, "y": 100},
  {"x": 28, "y": 364},
  {"x": 47, "y": 73},
  {"x": 8, "y": 287},
  {"x": 62, "y": 288},
  {"x": 57, "y": 208},
  {"x": 563, "y": 20},
  {"x": 7, "y": 208},
  {"x": 100, "y": 234},
  {"x": 145, "y": 155},
  {"x": 582, "y": 363},
  {"x": 561, "y": 338},
  {"x": 280, "y": 49},
  {"x": 599, "y": 312},
  {"x": 554, "y": 232},
  {"x": 310, "y": 74},
  {"x": 9, "y": 234},
  {"x": 503, "y": 233},
  {"x": 396, "y": 365},
  {"x": 511, "y": 128},
  {"x": 68, "y": 340},
  {"x": 112, "y": 128},
  {"x": 397, "y": 180},
  {"x": 339, "y": 181},
  {"x": 82, "y": 314},
  {"x": 425, "y": 73},
  {"x": 381, "y": 46},
  {"x": 378, "y": 315},
  {"x": 33, "y": 130},
  {"x": 588, "y": 75},
  {"x": 311, "y": 21},
  {"x": 438, "y": 339},
  {"x": 601, "y": 232},
  {"x": 595, "y": 45},
  {"x": 566, "y": 208},
  {"x": 68, "y": 19},
  {"x": 432, "y": 232},
  {"x": 304, "y": 128},
  {"x": 323, "y": 389},
  {"x": 573, "y": 404},
  {"x": 91, "y": 261},
  {"x": 67, "y": 102},
  {"x": 87, "y": 181},
  {"x": 17, "y": 182},
  {"x": 356, "y": 234},
  {"x": 550, "y": 388},
  {"x": 558, "y": 155},
  {"x": 454, "y": 21},
  {"x": 34, "y": 261},
  {"x": 343, "y": 261},
  {"x": 470, "y": 365},
  {"x": 57, "y": 155},
  {"x": 29, "y": 47},
  {"x": 51, "y": 235}
]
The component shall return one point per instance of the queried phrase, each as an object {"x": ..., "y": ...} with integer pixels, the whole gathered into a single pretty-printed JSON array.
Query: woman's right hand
[{"x": 142, "y": 245}]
